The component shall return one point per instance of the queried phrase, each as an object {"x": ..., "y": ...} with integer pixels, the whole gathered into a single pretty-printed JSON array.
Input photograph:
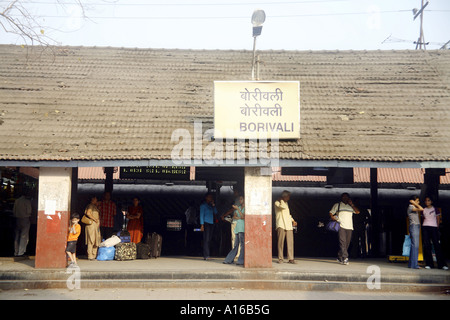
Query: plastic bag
[
  {"x": 106, "y": 253},
  {"x": 406, "y": 246},
  {"x": 110, "y": 242}
]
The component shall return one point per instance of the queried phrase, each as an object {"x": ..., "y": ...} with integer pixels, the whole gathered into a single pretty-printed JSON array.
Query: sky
[{"x": 226, "y": 24}]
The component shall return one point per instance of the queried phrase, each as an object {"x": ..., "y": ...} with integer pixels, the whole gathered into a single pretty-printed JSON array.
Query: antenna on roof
[
  {"x": 445, "y": 45},
  {"x": 416, "y": 13}
]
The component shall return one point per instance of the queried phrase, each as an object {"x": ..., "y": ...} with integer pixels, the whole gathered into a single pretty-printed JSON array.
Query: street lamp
[{"x": 258, "y": 18}]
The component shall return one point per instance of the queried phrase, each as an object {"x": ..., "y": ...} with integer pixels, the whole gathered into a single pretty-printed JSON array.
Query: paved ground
[
  {"x": 184, "y": 263},
  {"x": 232, "y": 292}
]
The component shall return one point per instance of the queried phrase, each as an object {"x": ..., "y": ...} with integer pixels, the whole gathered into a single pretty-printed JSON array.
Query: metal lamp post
[{"x": 258, "y": 18}]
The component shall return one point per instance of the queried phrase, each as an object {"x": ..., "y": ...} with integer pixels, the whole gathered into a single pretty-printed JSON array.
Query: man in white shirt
[
  {"x": 343, "y": 213},
  {"x": 284, "y": 226},
  {"x": 22, "y": 214}
]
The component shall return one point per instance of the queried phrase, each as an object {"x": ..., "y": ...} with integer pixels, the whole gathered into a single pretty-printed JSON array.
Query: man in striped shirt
[{"x": 107, "y": 210}]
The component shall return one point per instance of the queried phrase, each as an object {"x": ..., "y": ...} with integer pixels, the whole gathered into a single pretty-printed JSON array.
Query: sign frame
[
  {"x": 275, "y": 122},
  {"x": 155, "y": 173}
]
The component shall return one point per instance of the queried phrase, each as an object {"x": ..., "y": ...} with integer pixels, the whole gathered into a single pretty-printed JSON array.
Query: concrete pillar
[
  {"x": 431, "y": 180},
  {"x": 376, "y": 215},
  {"x": 258, "y": 217},
  {"x": 109, "y": 173},
  {"x": 53, "y": 217}
]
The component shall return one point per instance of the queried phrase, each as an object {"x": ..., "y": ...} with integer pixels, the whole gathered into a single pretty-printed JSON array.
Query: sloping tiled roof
[{"x": 78, "y": 103}]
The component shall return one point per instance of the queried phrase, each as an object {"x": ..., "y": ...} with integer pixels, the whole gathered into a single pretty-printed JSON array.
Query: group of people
[
  {"x": 431, "y": 218},
  {"x": 285, "y": 224},
  {"x": 99, "y": 224},
  {"x": 343, "y": 212},
  {"x": 208, "y": 211}
]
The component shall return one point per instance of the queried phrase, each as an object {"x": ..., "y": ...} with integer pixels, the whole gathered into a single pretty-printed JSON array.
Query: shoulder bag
[
  {"x": 86, "y": 219},
  {"x": 333, "y": 225}
]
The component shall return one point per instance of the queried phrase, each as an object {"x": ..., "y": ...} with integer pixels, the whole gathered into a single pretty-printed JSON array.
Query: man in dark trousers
[
  {"x": 207, "y": 212},
  {"x": 343, "y": 213}
]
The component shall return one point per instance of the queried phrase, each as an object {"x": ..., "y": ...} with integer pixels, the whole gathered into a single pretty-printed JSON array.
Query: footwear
[
  {"x": 345, "y": 262},
  {"x": 444, "y": 268},
  {"x": 427, "y": 267},
  {"x": 292, "y": 262},
  {"x": 280, "y": 261},
  {"x": 225, "y": 262}
]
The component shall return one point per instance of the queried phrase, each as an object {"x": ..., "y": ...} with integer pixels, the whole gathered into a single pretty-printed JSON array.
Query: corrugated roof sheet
[{"x": 80, "y": 103}]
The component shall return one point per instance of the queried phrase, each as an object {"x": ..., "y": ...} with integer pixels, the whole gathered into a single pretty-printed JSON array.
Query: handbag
[
  {"x": 406, "y": 246},
  {"x": 333, "y": 226},
  {"x": 86, "y": 220}
]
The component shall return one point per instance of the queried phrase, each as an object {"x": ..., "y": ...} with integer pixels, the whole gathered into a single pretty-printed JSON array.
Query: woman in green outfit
[{"x": 239, "y": 215}]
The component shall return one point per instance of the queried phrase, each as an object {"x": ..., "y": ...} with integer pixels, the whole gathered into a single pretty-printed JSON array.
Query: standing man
[
  {"x": 107, "y": 210},
  {"x": 284, "y": 225},
  {"x": 343, "y": 213},
  {"x": 207, "y": 212},
  {"x": 22, "y": 214}
]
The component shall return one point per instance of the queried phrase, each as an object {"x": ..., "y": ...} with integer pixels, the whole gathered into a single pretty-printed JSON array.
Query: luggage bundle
[
  {"x": 125, "y": 251},
  {"x": 106, "y": 253},
  {"x": 121, "y": 248},
  {"x": 155, "y": 242},
  {"x": 143, "y": 250},
  {"x": 124, "y": 236},
  {"x": 151, "y": 247},
  {"x": 106, "y": 250}
]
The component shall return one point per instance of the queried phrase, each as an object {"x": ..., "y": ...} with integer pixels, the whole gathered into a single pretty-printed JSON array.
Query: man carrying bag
[{"x": 343, "y": 213}]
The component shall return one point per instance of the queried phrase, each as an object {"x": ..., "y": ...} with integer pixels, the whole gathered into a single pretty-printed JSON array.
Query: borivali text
[
  {"x": 266, "y": 127},
  {"x": 229, "y": 309}
]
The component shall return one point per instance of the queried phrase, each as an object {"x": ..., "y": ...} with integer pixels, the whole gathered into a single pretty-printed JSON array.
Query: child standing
[{"x": 74, "y": 233}]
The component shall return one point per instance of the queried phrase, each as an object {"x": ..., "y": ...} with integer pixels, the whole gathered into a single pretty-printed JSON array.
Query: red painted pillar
[
  {"x": 53, "y": 217},
  {"x": 258, "y": 217}
]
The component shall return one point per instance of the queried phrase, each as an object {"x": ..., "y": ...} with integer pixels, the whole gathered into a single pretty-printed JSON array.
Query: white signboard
[{"x": 257, "y": 109}]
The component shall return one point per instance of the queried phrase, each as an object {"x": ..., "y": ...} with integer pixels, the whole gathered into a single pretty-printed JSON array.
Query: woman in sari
[
  {"x": 136, "y": 221},
  {"x": 93, "y": 237}
]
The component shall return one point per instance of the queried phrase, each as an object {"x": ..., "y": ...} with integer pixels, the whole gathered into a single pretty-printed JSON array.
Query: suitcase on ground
[
  {"x": 142, "y": 250},
  {"x": 124, "y": 236},
  {"x": 155, "y": 242},
  {"x": 125, "y": 251}
]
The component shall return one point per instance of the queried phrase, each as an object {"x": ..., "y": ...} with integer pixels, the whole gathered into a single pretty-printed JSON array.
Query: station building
[{"x": 65, "y": 109}]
